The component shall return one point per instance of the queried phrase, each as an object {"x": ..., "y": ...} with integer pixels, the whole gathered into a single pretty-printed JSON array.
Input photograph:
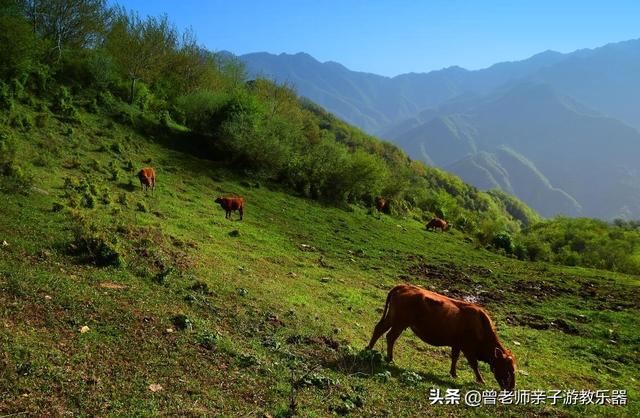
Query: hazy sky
[{"x": 393, "y": 37}]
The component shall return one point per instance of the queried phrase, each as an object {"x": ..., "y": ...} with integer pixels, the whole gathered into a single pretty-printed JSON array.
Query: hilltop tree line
[{"x": 85, "y": 54}]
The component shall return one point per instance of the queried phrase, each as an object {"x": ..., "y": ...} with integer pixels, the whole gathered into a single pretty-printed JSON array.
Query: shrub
[
  {"x": 42, "y": 120},
  {"x": 64, "y": 103},
  {"x": 6, "y": 97},
  {"x": 14, "y": 178},
  {"x": 122, "y": 199},
  {"x": 503, "y": 241},
  {"x": 114, "y": 170},
  {"x": 198, "y": 109},
  {"x": 21, "y": 121},
  {"x": 142, "y": 207},
  {"x": 520, "y": 251},
  {"x": 19, "y": 44},
  {"x": 182, "y": 322},
  {"x": 207, "y": 339},
  {"x": 96, "y": 245},
  {"x": 84, "y": 192}
]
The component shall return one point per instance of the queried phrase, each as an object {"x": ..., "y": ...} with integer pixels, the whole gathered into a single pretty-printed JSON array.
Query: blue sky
[{"x": 394, "y": 37}]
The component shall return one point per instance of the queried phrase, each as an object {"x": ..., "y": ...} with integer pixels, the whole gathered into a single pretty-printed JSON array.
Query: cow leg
[
  {"x": 382, "y": 327},
  {"x": 473, "y": 362},
  {"x": 392, "y": 336},
  {"x": 455, "y": 353},
  {"x": 241, "y": 213}
]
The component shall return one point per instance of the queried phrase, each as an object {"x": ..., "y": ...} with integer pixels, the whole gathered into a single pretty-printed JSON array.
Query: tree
[
  {"x": 18, "y": 45},
  {"x": 141, "y": 48},
  {"x": 67, "y": 23}
]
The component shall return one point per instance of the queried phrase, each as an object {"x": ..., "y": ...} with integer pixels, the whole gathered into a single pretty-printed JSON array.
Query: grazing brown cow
[
  {"x": 147, "y": 178},
  {"x": 436, "y": 223},
  {"x": 229, "y": 204},
  {"x": 382, "y": 205},
  {"x": 442, "y": 321}
]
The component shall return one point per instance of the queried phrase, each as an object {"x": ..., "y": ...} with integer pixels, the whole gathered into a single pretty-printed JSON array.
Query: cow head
[
  {"x": 218, "y": 199},
  {"x": 504, "y": 368}
]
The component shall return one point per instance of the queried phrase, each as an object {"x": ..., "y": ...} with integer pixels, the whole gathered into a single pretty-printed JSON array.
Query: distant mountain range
[{"x": 560, "y": 131}]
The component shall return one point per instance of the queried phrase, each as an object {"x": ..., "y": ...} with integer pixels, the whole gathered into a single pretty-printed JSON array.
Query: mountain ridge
[{"x": 584, "y": 106}]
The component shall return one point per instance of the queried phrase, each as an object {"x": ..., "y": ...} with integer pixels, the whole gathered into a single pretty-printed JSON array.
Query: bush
[
  {"x": 42, "y": 120},
  {"x": 21, "y": 121},
  {"x": 14, "y": 178},
  {"x": 96, "y": 245},
  {"x": 197, "y": 110},
  {"x": 20, "y": 46},
  {"x": 503, "y": 241},
  {"x": 84, "y": 193},
  {"x": 6, "y": 97},
  {"x": 114, "y": 170},
  {"x": 64, "y": 103}
]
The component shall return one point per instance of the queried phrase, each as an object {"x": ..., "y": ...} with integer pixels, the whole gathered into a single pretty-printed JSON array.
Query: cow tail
[{"x": 386, "y": 305}]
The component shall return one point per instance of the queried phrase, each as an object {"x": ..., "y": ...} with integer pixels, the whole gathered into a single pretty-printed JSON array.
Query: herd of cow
[{"x": 436, "y": 319}]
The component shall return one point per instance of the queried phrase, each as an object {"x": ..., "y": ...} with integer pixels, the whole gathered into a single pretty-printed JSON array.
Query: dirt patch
[
  {"x": 539, "y": 289},
  {"x": 319, "y": 340},
  {"x": 453, "y": 281},
  {"x": 539, "y": 322},
  {"x": 609, "y": 295},
  {"x": 528, "y": 320},
  {"x": 111, "y": 285}
]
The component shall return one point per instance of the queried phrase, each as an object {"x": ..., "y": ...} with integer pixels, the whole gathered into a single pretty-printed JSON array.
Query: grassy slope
[{"x": 271, "y": 305}]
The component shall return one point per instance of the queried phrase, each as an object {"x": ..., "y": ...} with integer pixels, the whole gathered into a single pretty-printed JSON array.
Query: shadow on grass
[
  {"x": 128, "y": 187},
  {"x": 369, "y": 364}
]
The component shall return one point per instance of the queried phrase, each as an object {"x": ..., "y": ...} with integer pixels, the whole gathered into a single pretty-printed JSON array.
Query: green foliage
[
  {"x": 64, "y": 103},
  {"x": 20, "y": 47},
  {"x": 503, "y": 241},
  {"x": 585, "y": 242},
  {"x": 257, "y": 126},
  {"x": 95, "y": 244},
  {"x": 142, "y": 207},
  {"x": 81, "y": 193},
  {"x": 516, "y": 208},
  {"x": 6, "y": 97},
  {"x": 410, "y": 378},
  {"x": 207, "y": 339},
  {"x": 182, "y": 322},
  {"x": 14, "y": 177},
  {"x": 197, "y": 109}
]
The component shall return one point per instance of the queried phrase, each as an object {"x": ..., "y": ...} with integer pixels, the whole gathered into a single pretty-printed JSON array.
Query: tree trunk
[{"x": 133, "y": 91}]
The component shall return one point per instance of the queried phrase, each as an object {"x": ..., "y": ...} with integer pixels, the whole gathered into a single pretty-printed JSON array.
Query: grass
[{"x": 230, "y": 325}]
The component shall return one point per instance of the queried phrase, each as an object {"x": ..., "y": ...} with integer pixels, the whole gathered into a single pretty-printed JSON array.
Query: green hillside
[
  {"x": 507, "y": 170},
  {"x": 223, "y": 319},
  {"x": 120, "y": 302}
]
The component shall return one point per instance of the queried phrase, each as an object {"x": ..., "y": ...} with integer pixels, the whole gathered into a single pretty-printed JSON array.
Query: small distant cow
[
  {"x": 229, "y": 204},
  {"x": 382, "y": 205},
  {"x": 437, "y": 223},
  {"x": 442, "y": 321},
  {"x": 147, "y": 178}
]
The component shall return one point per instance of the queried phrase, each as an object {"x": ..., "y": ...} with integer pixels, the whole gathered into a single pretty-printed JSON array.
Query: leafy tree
[
  {"x": 19, "y": 46},
  {"x": 141, "y": 48},
  {"x": 67, "y": 23}
]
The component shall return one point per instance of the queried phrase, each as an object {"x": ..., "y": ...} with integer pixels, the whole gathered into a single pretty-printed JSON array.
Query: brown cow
[
  {"x": 147, "y": 178},
  {"x": 229, "y": 204},
  {"x": 436, "y": 223},
  {"x": 382, "y": 205},
  {"x": 442, "y": 321}
]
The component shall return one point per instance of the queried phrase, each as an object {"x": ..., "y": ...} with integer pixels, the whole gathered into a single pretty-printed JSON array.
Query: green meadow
[{"x": 117, "y": 302}]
